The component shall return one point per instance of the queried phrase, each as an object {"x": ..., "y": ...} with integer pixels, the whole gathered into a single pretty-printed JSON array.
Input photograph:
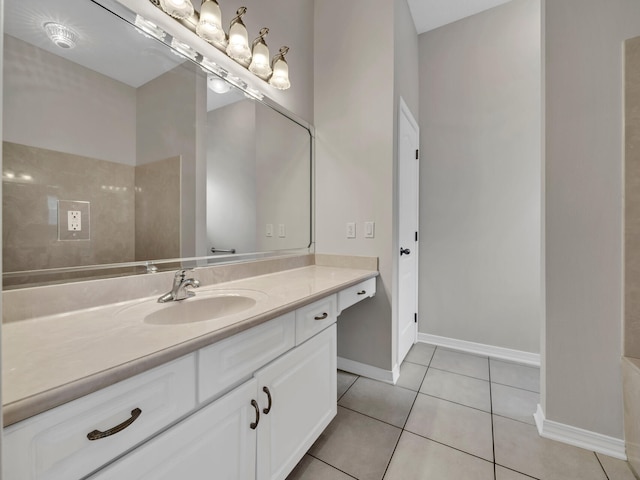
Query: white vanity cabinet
[
  {"x": 247, "y": 407},
  {"x": 301, "y": 401}
]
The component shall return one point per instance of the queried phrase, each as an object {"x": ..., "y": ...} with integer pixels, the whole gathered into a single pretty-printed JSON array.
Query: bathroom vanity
[{"x": 240, "y": 396}]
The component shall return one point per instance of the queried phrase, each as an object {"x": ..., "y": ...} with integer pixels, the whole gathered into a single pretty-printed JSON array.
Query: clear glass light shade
[
  {"x": 280, "y": 77},
  {"x": 260, "y": 59},
  {"x": 177, "y": 8},
  {"x": 61, "y": 35},
  {"x": 238, "y": 47},
  {"x": 210, "y": 24}
]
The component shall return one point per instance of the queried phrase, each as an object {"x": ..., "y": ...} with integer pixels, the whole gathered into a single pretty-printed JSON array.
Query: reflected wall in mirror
[{"x": 172, "y": 164}]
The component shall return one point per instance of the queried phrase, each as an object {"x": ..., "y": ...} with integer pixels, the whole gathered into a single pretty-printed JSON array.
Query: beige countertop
[{"x": 51, "y": 360}]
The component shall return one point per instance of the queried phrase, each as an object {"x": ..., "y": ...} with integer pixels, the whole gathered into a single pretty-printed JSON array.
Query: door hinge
[
  {"x": 415, "y": 317},
  {"x": 416, "y": 236},
  {"x": 417, "y": 154}
]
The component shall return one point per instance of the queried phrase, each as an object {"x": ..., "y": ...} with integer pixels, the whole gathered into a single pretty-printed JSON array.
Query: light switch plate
[
  {"x": 282, "y": 232},
  {"x": 73, "y": 220},
  {"x": 369, "y": 229},
  {"x": 269, "y": 230}
]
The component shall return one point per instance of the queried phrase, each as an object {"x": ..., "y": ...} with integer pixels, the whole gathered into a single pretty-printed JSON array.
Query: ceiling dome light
[
  {"x": 260, "y": 56},
  {"x": 61, "y": 35},
  {"x": 238, "y": 47},
  {"x": 210, "y": 25},
  {"x": 179, "y": 9},
  {"x": 280, "y": 77}
]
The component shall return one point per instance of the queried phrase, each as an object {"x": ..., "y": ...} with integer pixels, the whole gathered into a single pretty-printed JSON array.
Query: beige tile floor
[{"x": 451, "y": 416}]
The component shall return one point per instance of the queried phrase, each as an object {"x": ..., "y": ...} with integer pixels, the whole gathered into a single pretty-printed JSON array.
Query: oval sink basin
[{"x": 203, "y": 307}]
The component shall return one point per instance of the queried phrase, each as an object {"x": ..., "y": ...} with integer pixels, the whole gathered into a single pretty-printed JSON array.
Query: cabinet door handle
[
  {"x": 97, "y": 434},
  {"x": 254, "y": 425},
  {"x": 362, "y": 292},
  {"x": 321, "y": 317},
  {"x": 268, "y": 409}
]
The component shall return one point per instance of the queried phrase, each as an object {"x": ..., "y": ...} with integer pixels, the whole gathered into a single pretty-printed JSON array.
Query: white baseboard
[
  {"x": 501, "y": 353},
  {"x": 375, "y": 373},
  {"x": 596, "y": 442}
]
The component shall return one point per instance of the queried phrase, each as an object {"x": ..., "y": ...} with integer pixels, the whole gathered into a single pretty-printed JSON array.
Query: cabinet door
[
  {"x": 302, "y": 387},
  {"x": 217, "y": 442}
]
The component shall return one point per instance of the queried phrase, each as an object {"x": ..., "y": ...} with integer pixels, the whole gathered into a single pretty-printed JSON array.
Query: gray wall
[
  {"x": 355, "y": 114},
  {"x": 59, "y": 105},
  {"x": 231, "y": 186},
  {"x": 584, "y": 215},
  {"x": 160, "y": 136},
  {"x": 480, "y": 179},
  {"x": 353, "y": 103}
]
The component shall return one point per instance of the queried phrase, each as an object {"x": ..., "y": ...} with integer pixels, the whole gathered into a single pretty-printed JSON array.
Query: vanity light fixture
[
  {"x": 210, "y": 24},
  {"x": 238, "y": 48},
  {"x": 260, "y": 56},
  {"x": 179, "y": 9},
  {"x": 280, "y": 77},
  {"x": 60, "y": 35}
]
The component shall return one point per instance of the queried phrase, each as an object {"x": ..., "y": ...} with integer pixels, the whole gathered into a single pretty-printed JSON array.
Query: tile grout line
[
  {"x": 332, "y": 466},
  {"x": 601, "y": 466},
  {"x": 348, "y": 388},
  {"x": 402, "y": 430}
]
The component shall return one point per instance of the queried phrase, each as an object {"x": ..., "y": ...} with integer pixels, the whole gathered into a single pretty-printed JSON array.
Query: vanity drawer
[
  {"x": 233, "y": 360},
  {"x": 54, "y": 445},
  {"x": 314, "y": 318},
  {"x": 356, "y": 293}
]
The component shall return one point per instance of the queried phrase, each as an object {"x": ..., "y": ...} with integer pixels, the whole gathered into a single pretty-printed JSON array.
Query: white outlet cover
[
  {"x": 369, "y": 229},
  {"x": 269, "y": 230},
  {"x": 351, "y": 230},
  {"x": 281, "y": 230}
]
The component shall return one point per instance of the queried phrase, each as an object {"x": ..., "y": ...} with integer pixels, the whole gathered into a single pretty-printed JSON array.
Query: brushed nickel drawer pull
[
  {"x": 321, "y": 317},
  {"x": 268, "y": 409},
  {"x": 362, "y": 292},
  {"x": 97, "y": 434},
  {"x": 254, "y": 425}
]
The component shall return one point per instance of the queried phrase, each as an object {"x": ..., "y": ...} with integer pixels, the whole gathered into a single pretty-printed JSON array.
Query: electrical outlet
[
  {"x": 351, "y": 230},
  {"x": 73, "y": 220},
  {"x": 369, "y": 229},
  {"x": 281, "y": 230},
  {"x": 269, "y": 230}
]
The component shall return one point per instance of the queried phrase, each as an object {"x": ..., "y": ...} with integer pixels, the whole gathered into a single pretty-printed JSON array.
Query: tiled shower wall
[
  {"x": 118, "y": 194},
  {"x": 632, "y": 199}
]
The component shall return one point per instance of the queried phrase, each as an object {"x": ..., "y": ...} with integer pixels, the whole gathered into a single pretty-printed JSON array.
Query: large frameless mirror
[{"x": 122, "y": 155}]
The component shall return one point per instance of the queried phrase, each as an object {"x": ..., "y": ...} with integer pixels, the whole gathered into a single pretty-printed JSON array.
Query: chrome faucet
[{"x": 179, "y": 290}]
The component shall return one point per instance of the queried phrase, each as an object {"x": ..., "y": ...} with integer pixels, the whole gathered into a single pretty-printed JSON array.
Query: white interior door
[{"x": 408, "y": 141}]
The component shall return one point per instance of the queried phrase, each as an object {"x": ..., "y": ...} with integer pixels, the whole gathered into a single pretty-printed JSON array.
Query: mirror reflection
[{"x": 117, "y": 149}]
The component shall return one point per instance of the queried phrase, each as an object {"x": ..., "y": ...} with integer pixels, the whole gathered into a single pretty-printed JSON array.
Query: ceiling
[{"x": 430, "y": 14}]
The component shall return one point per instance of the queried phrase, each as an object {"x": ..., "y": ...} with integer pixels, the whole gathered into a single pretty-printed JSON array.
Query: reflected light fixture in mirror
[
  {"x": 60, "y": 35},
  {"x": 179, "y": 9},
  {"x": 280, "y": 77},
  {"x": 217, "y": 84},
  {"x": 238, "y": 48},
  {"x": 260, "y": 56}
]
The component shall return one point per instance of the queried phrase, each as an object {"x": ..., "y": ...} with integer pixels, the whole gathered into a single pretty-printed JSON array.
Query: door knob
[{"x": 404, "y": 251}]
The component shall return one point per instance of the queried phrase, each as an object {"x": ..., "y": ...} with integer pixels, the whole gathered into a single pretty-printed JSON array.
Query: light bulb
[
  {"x": 210, "y": 25},
  {"x": 238, "y": 47},
  {"x": 180, "y": 9},
  {"x": 280, "y": 77},
  {"x": 260, "y": 59}
]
